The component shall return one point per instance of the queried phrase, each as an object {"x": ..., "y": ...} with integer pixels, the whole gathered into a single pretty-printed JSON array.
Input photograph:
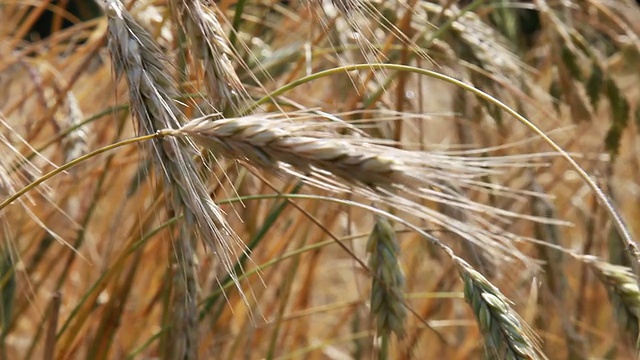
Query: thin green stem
[{"x": 73, "y": 163}]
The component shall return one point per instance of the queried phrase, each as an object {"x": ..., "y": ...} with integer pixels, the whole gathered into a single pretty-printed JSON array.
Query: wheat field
[{"x": 319, "y": 179}]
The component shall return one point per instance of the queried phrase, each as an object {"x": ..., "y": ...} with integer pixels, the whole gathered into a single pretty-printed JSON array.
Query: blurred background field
[{"x": 88, "y": 266}]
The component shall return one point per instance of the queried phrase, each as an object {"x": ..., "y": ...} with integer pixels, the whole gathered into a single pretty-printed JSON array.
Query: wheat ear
[
  {"x": 210, "y": 44},
  {"x": 308, "y": 149},
  {"x": 624, "y": 294},
  {"x": 151, "y": 92},
  {"x": 506, "y": 336},
  {"x": 387, "y": 288}
]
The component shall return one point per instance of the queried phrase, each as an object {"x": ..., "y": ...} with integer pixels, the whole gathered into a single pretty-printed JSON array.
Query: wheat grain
[
  {"x": 556, "y": 283},
  {"x": 272, "y": 140},
  {"x": 366, "y": 26},
  {"x": 475, "y": 254},
  {"x": 6, "y": 187},
  {"x": 74, "y": 144}
]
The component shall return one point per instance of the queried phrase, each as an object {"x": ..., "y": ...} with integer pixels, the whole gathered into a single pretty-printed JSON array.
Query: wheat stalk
[
  {"x": 305, "y": 148},
  {"x": 210, "y": 44},
  {"x": 151, "y": 92}
]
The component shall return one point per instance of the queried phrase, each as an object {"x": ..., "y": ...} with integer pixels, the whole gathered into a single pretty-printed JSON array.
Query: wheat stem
[{"x": 62, "y": 168}]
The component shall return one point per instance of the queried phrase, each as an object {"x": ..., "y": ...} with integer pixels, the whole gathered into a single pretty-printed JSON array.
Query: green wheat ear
[
  {"x": 388, "y": 282},
  {"x": 506, "y": 335}
]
